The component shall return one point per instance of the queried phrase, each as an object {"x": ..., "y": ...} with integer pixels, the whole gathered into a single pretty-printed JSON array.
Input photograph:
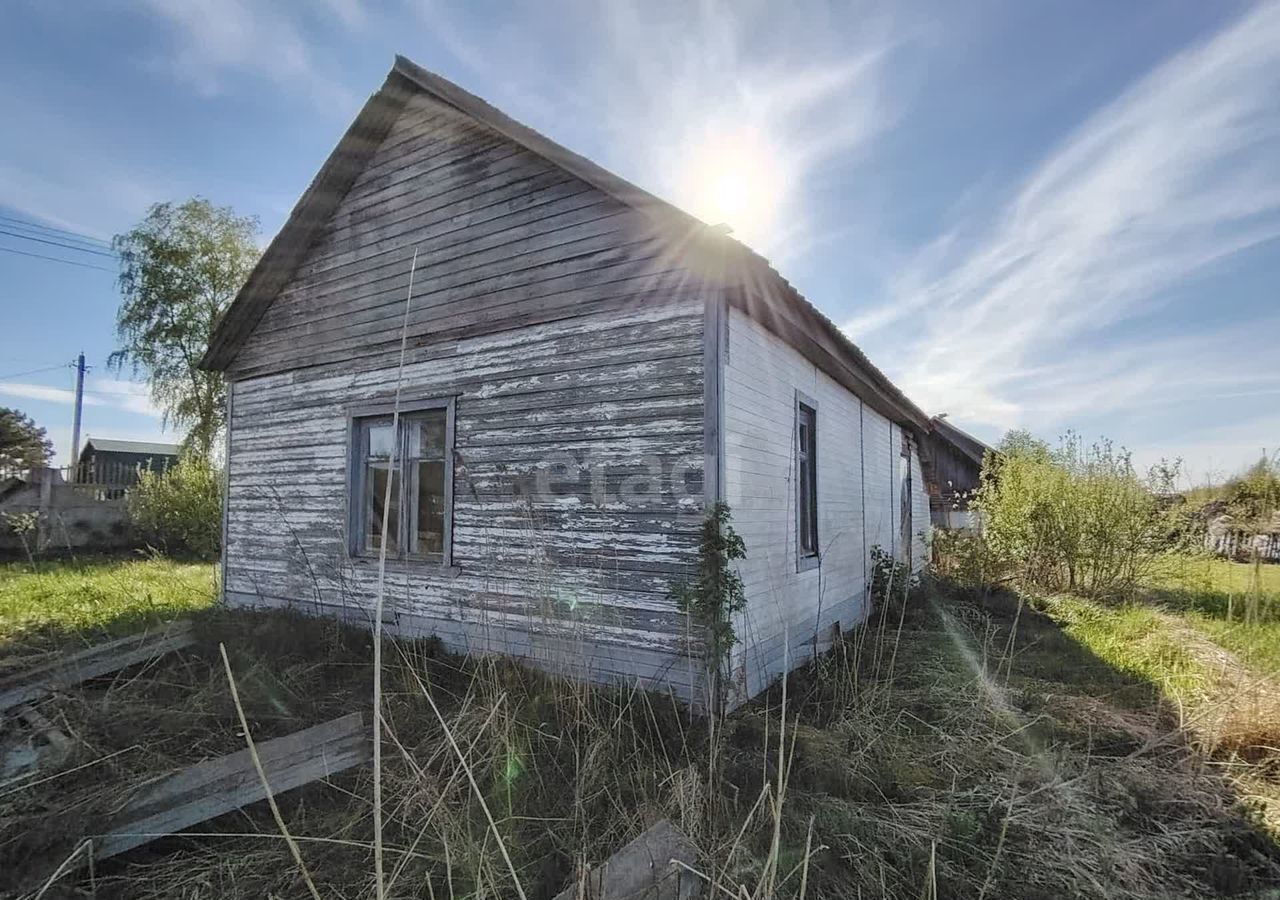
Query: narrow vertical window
[
  {"x": 807, "y": 480},
  {"x": 424, "y": 469},
  {"x": 379, "y": 503},
  {"x": 402, "y": 474}
]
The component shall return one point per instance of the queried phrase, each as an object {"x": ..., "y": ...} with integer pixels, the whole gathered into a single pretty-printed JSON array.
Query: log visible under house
[
  {"x": 219, "y": 786},
  {"x": 101, "y": 659}
]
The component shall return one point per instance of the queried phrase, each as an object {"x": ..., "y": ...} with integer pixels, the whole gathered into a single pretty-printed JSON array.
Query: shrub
[
  {"x": 965, "y": 558},
  {"x": 179, "y": 511},
  {"x": 715, "y": 593},
  {"x": 1254, "y": 497},
  {"x": 891, "y": 582},
  {"x": 1076, "y": 518}
]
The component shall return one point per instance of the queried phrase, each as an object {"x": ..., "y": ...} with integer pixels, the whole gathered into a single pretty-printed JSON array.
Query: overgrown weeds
[
  {"x": 1075, "y": 518},
  {"x": 970, "y": 746}
]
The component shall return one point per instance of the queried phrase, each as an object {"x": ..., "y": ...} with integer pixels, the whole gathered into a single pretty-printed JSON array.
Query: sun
[{"x": 735, "y": 179}]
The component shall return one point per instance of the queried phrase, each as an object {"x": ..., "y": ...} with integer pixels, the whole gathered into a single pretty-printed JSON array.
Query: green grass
[
  {"x": 1213, "y": 576},
  {"x": 1233, "y": 604},
  {"x": 1132, "y": 638},
  {"x": 65, "y": 601},
  {"x": 1145, "y": 635},
  {"x": 969, "y": 748}
]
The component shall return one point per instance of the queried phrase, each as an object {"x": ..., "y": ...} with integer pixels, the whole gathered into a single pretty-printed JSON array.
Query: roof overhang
[
  {"x": 967, "y": 444},
  {"x": 751, "y": 283}
]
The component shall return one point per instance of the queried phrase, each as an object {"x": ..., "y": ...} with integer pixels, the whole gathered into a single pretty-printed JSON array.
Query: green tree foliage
[
  {"x": 1076, "y": 517},
  {"x": 23, "y": 443},
  {"x": 715, "y": 594},
  {"x": 1254, "y": 497},
  {"x": 179, "y": 510},
  {"x": 179, "y": 270}
]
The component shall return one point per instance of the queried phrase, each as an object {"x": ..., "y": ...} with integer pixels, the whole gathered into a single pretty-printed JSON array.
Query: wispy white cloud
[
  {"x": 685, "y": 94},
  {"x": 43, "y": 392},
  {"x": 672, "y": 94},
  {"x": 112, "y": 408},
  {"x": 125, "y": 396},
  {"x": 43, "y": 173},
  {"x": 1179, "y": 173},
  {"x": 350, "y": 13},
  {"x": 129, "y": 396},
  {"x": 217, "y": 38}
]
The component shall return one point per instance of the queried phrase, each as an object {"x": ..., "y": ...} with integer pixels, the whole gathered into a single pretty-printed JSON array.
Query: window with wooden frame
[
  {"x": 402, "y": 475},
  {"x": 806, "y": 444}
]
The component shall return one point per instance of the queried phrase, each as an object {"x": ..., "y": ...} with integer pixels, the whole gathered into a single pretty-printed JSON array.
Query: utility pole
[{"x": 75, "y": 421}]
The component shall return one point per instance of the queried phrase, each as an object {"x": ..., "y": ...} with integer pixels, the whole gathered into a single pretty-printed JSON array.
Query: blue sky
[{"x": 1049, "y": 215}]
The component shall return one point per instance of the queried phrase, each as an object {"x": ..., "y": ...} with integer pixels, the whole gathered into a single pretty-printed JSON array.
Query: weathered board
[
  {"x": 218, "y": 786},
  {"x": 655, "y": 866},
  {"x": 500, "y": 232},
  {"x": 572, "y": 342},
  {"x": 101, "y": 659}
]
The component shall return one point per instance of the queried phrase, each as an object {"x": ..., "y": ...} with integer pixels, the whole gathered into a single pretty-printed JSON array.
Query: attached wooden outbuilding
[
  {"x": 580, "y": 369},
  {"x": 957, "y": 458}
]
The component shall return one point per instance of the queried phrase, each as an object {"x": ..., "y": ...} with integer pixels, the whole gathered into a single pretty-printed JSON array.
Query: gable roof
[
  {"x": 147, "y": 448},
  {"x": 756, "y": 287},
  {"x": 966, "y": 443}
]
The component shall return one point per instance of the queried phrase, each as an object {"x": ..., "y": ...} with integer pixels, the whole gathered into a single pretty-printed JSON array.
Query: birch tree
[{"x": 180, "y": 268}]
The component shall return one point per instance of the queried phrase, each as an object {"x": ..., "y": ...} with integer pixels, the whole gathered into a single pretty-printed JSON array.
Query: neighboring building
[
  {"x": 957, "y": 472},
  {"x": 581, "y": 371},
  {"x": 116, "y": 463}
]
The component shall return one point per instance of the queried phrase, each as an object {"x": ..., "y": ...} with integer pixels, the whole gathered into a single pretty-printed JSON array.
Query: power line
[
  {"x": 50, "y": 233},
  {"x": 34, "y": 371},
  {"x": 27, "y": 237},
  {"x": 69, "y": 262},
  {"x": 66, "y": 232},
  {"x": 11, "y": 221}
]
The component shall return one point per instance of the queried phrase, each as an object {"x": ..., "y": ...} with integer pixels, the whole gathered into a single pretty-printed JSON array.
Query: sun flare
[{"x": 738, "y": 181}]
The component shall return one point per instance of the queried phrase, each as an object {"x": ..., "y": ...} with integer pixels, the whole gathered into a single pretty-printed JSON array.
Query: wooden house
[
  {"x": 578, "y": 370},
  {"x": 956, "y": 471},
  {"x": 107, "y": 461}
]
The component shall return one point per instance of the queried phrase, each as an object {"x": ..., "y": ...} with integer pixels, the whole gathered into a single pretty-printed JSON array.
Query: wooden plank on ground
[
  {"x": 218, "y": 786},
  {"x": 100, "y": 659},
  {"x": 648, "y": 868}
]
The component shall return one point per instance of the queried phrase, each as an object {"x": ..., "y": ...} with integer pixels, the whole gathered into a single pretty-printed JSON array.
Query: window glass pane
[
  {"x": 807, "y": 482},
  {"x": 806, "y": 540},
  {"x": 428, "y": 533},
  {"x": 426, "y": 435},
  {"x": 375, "y": 489},
  {"x": 379, "y": 439}
]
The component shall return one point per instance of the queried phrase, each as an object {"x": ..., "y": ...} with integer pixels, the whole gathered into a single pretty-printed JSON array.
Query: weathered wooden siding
[
  {"x": 789, "y": 612},
  {"x": 577, "y": 580},
  {"x": 956, "y": 476},
  {"x": 572, "y": 340},
  {"x": 504, "y": 239},
  {"x": 573, "y": 344}
]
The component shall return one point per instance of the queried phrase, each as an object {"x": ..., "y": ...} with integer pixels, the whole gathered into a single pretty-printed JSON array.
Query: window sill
[
  {"x": 408, "y": 566},
  {"x": 805, "y": 563}
]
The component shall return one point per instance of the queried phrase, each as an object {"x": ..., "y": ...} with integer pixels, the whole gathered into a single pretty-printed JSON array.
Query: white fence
[{"x": 1235, "y": 543}]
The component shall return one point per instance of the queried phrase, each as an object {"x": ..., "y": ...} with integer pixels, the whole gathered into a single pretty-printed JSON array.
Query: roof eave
[
  {"x": 280, "y": 261},
  {"x": 966, "y": 443},
  {"x": 282, "y": 257}
]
